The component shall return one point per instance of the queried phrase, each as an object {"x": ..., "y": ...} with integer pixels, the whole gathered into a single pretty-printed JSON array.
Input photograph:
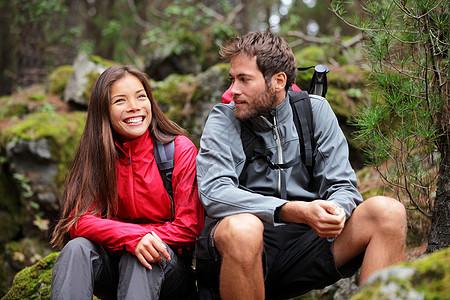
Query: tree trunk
[
  {"x": 440, "y": 224},
  {"x": 31, "y": 67},
  {"x": 75, "y": 18}
]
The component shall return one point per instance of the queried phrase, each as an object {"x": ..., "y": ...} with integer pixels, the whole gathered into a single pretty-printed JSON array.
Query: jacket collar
[
  {"x": 139, "y": 145},
  {"x": 281, "y": 112}
]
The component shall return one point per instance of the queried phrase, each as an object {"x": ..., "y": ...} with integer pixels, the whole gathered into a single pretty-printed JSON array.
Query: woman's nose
[{"x": 133, "y": 105}]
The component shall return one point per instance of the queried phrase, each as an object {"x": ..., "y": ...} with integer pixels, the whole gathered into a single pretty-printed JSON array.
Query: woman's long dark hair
[{"x": 91, "y": 184}]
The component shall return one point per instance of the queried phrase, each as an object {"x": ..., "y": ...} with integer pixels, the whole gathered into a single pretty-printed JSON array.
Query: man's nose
[{"x": 235, "y": 90}]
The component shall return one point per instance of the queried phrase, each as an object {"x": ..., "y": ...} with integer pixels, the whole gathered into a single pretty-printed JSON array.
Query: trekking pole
[{"x": 318, "y": 84}]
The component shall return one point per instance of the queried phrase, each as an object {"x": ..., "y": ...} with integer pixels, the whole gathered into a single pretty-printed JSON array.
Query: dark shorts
[{"x": 295, "y": 259}]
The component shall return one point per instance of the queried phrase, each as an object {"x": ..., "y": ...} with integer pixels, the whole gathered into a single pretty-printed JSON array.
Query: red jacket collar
[{"x": 139, "y": 145}]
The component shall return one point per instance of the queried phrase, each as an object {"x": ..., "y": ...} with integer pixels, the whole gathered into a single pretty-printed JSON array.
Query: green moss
[
  {"x": 62, "y": 131},
  {"x": 33, "y": 282},
  {"x": 37, "y": 97},
  {"x": 102, "y": 61},
  {"x": 310, "y": 56},
  {"x": 372, "y": 192},
  {"x": 433, "y": 274},
  {"x": 13, "y": 108},
  {"x": 339, "y": 103},
  {"x": 91, "y": 79},
  {"x": 173, "y": 93},
  {"x": 58, "y": 79},
  {"x": 431, "y": 278},
  {"x": 303, "y": 79}
]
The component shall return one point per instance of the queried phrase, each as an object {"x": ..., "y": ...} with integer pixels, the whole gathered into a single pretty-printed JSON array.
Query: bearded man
[{"x": 259, "y": 242}]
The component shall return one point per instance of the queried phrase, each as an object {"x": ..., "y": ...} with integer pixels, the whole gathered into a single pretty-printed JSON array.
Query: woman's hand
[{"x": 150, "y": 249}]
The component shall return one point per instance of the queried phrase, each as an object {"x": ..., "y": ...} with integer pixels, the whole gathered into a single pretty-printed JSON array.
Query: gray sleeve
[
  {"x": 333, "y": 173},
  {"x": 219, "y": 163}
]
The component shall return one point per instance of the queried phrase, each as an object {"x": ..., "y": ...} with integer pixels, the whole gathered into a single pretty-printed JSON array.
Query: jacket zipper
[
  {"x": 276, "y": 137},
  {"x": 280, "y": 150}
]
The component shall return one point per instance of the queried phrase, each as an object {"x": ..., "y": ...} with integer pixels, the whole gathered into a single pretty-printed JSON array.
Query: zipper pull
[{"x": 129, "y": 160}]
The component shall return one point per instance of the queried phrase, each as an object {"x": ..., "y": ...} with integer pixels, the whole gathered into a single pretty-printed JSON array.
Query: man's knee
[
  {"x": 241, "y": 232},
  {"x": 387, "y": 213}
]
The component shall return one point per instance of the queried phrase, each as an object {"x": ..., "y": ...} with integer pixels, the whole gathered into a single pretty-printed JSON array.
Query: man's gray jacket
[{"x": 221, "y": 160}]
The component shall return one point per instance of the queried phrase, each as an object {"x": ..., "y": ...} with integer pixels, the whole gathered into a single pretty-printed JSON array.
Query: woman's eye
[{"x": 142, "y": 96}]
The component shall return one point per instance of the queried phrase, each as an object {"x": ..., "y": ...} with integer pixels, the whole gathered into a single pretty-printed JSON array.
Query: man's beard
[{"x": 260, "y": 105}]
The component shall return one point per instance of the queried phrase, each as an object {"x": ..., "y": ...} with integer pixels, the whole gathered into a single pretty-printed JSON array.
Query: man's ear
[{"x": 279, "y": 81}]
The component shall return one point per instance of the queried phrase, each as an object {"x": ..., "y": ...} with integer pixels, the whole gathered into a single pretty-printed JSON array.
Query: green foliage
[
  {"x": 23, "y": 181},
  {"x": 407, "y": 47},
  {"x": 32, "y": 11},
  {"x": 187, "y": 28},
  {"x": 58, "y": 79}
]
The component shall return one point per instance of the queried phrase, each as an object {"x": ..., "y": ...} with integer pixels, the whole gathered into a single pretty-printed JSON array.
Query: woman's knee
[
  {"x": 241, "y": 232},
  {"x": 78, "y": 247}
]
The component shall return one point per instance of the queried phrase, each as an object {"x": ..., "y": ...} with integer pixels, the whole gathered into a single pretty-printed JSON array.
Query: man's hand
[
  {"x": 149, "y": 250},
  {"x": 324, "y": 217}
]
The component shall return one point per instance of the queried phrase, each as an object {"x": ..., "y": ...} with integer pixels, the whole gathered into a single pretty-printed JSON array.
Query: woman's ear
[{"x": 279, "y": 81}]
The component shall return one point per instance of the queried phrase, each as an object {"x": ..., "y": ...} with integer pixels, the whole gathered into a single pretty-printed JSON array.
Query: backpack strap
[
  {"x": 248, "y": 138},
  {"x": 164, "y": 155},
  {"x": 303, "y": 119}
]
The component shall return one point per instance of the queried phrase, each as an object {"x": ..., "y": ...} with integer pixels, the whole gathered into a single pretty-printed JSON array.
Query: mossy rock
[
  {"x": 61, "y": 130},
  {"x": 211, "y": 85},
  {"x": 58, "y": 79},
  {"x": 10, "y": 108},
  {"x": 173, "y": 93},
  {"x": 91, "y": 79},
  {"x": 426, "y": 278},
  {"x": 102, "y": 61},
  {"x": 93, "y": 75},
  {"x": 33, "y": 282}
]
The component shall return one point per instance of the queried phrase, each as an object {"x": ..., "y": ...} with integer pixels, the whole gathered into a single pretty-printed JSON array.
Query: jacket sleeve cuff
[{"x": 277, "y": 214}]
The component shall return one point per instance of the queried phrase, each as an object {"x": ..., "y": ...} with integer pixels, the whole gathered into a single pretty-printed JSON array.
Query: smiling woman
[
  {"x": 130, "y": 108},
  {"x": 122, "y": 235}
]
